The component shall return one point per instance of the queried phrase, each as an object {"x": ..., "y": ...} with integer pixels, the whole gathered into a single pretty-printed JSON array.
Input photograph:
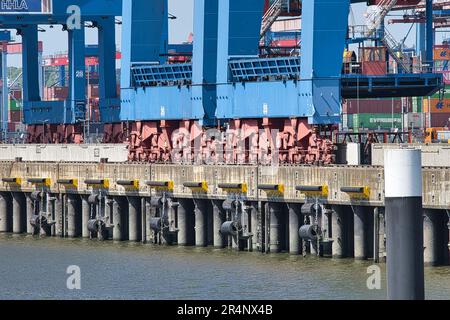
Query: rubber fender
[
  {"x": 36, "y": 195},
  {"x": 93, "y": 199},
  {"x": 230, "y": 205},
  {"x": 37, "y": 221},
  {"x": 229, "y": 228},
  {"x": 310, "y": 209},
  {"x": 227, "y": 205},
  {"x": 308, "y": 232},
  {"x": 94, "y": 225},
  {"x": 156, "y": 201},
  {"x": 156, "y": 224}
]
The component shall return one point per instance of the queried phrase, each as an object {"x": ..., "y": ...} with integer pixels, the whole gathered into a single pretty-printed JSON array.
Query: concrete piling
[
  {"x": 219, "y": 240},
  {"x": 144, "y": 220},
  {"x": 118, "y": 220},
  {"x": 134, "y": 219},
  {"x": 339, "y": 232},
  {"x": 361, "y": 232},
  {"x": 435, "y": 237},
  {"x": 294, "y": 226},
  {"x": 276, "y": 227},
  {"x": 18, "y": 211},
  {"x": 186, "y": 231},
  {"x": 254, "y": 224},
  {"x": 73, "y": 216},
  {"x": 5, "y": 219},
  {"x": 200, "y": 223},
  {"x": 85, "y": 215},
  {"x": 30, "y": 213},
  {"x": 148, "y": 216},
  {"x": 59, "y": 218}
]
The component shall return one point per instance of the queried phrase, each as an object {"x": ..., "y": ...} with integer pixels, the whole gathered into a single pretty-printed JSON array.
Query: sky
[{"x": 55, "y": 40}]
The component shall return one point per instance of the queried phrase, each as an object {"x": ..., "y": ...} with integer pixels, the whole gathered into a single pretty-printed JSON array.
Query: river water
[{"x": 33, "y": 268}]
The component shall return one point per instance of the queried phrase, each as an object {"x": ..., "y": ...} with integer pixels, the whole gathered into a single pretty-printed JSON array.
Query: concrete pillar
[
  {"x": 85, "y": 216},
  {"x": 338, "y": 232},
  {"x": 361, "y": 244},
  {"x": 59, "y": 219},
  {"x": 276, "y": 228},
  {"x": 51, "y": 210},
  {"x": 5, "y": 216},
  {"x": 134, "y": 219},
  {"x": 144, "y": 219},
  {"x": 148, "y": 216},
  {"x": 432, "y": 237},
  {"x": 200, "y": 223},
  {"x": 118, "y": 220},
  {"x": 254, "y": 225},
  {"x": 18, "y": 211},
  {"x": 219, "y": 241},
  {"x": 294, "y": 226},
  {"x": 30, "y": 213},
  {"x": 185, "y": 225},
  {"x": 73, "y": 216},
  {"x": 447, "y": 240},
  {"x": 382, "y": 231}
]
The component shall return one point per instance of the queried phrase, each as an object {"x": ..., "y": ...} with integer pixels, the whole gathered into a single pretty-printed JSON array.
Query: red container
[
  {"x": 17, "y": 94},
  {"x": 61, "y": 93},
  {"x": 15, "y": 116},
  {"x": 376, "y": 106},
  {"x": 93, "y": 91},
  {"x": 374, "y": 68},
  {"x": 12, "y": 127},
  {"x": 399, "y": 2},
  {"x": 440, "y": 120}
]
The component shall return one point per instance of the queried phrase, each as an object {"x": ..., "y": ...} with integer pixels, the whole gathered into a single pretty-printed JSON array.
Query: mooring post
[{"x": 404, "y": 224}]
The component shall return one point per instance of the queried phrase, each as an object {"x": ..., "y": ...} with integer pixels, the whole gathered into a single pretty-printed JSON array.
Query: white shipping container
[
  {"x": 116, "y": 153},
  {"x": 286, "y": 25}
]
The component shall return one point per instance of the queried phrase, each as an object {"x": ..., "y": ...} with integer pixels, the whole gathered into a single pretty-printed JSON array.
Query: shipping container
[
  {"x": 56, "y": 93},
  {"x": 16, "y": 94},
  {"x": 417, "y": 104},
  {"x": 93, "y": 91},
  {"x": 416, "y": 120},
  {"x": 444, "y": 136},
  {"x": 371, "y": 121},
  {"x": 353, "y": 106},
  {"x": 439, "y": 120},
  {"x": 15, "y": 116},
  {"x": 13, "y": 105},
  {"x": 437, "y": 106}
]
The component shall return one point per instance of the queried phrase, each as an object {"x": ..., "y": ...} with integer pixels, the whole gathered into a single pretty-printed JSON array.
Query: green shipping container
[
  {"x": 374, "y": 121},
  {"x": 13, "y": 106},
  {"x": 446, "y": 93},
  {"x": 417, "y": 104}
]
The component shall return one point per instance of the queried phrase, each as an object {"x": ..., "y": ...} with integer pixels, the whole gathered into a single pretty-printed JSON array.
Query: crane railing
[
  {"x": 395, "y": 51},
  {"x": 272, "y": 14},
  {"x": 376, "y": 17}
]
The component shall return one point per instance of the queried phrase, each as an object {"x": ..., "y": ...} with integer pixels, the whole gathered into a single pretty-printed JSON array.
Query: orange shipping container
[{"x": 437, "y": 106}]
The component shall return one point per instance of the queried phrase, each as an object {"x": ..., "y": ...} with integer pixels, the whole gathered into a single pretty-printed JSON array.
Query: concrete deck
[{"x": 436, "y": 181}]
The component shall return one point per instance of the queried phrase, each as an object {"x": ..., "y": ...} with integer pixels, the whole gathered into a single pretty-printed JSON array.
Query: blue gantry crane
[
  {"x": 62, "y": 121},
  {"x": 256, "y": 103}
]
